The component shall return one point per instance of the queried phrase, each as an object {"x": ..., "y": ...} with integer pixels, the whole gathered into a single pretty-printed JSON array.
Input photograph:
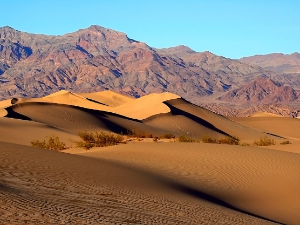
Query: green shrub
[
  {"x": 183, "y": 138},
  {"x": 101, "y": 139},
  {"x": 53, "y": 143},
  {"x": 285, "y": 143},
  {"x": 167, "y": 136},
  {"x": 264, "y": 141}
]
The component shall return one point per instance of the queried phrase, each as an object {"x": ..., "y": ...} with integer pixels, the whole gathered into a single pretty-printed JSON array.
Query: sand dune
[
  {"x": 67, "y": 98},
  {"x": 155, "y": 113},
  {"x": 260, "y": 181},
  {"x": 146, "y": 106},
  {"x": 109, "y": 98},
  {"x": 227, "y": 126},
  {"x": 144, "y": 183},
  {"x": 284, "y": 126},
  {"x": 3, "y": 105},
  {"x": 41, "y": 186},
  {"x": 22, "y": 132}
]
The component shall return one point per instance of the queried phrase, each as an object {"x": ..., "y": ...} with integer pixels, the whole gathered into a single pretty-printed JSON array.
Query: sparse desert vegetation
[
  {"x": 98, "y": 139},
  {"x": 287, "y": 142},
  {"x": 225, "y": 140},
  {"x": 184, "y": 138},
  {"x": 52, "y": 143},
  {"x": 264, "y": 141},
  {"x": 139, "y": 134}
]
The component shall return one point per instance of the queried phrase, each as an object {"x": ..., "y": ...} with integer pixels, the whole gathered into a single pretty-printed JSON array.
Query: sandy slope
[
  {"x": 3, "y": 105},
  {"x": 109, "y": 98},
  {"x": 283, "y": 126},
  {"x": 260, "y": 181},
  {"x": 40, "y": 186},
  {"x": 22, "y": 132},
  {"x": 67, "y": 98},
  {"x": 146, "y": 106},
  {"x": 213, "y": 120}
]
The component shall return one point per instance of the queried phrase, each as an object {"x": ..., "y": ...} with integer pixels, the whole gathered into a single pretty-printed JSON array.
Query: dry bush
[
  {"x": 264, "y": 141},
  {"x": 207, "y": 139},
  {"x": 101, "y": 139},
  {"x": 285, "y": 143},
  {"x": 183, "y": 138},
  {"x": 155, "y": 139},
  {"x": 167, "y": 136},
  {"x": 230, "y": 140},
  {"x": 53, "y": 143},
  {"x": 226, "y": 140},
  {"x": 139, "y": 134}
]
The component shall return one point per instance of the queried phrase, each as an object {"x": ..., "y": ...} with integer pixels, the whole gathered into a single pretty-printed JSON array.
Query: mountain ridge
[{"x": 97, "y": 59}]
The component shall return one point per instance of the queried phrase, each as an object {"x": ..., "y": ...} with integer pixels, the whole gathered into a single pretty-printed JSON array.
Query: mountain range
[{"x": 96, "y": 59}]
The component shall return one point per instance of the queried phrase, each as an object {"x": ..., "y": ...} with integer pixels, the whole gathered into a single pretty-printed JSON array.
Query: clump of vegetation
[
  {"x": 52, "y": 143},
  {"x": 226, "y": 140},
  {"x": 155, "y": 139},
  {"x": 101, "y": 139},
  {"x": 230, "y": 140},
  {"x": 183, "y": 138},
  {"x": 167, "y": 136},
  {"x": 139, "y": 134},
  {"x": 207, "y": 139},
  {"x": 264, "y": 141},
  {"x": 285, "y": 143}
]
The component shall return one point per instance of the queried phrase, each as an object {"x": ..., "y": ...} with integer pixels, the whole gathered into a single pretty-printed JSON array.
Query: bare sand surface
[
  {"x": 260, "y": 181},
  {"x": 23, "y": 132},
  {"x": 108, "y": 97},
  {"x": 40, "y": 186}
]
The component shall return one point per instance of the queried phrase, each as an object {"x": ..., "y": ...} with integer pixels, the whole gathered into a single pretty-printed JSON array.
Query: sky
[{"x": 230, "y": 28}]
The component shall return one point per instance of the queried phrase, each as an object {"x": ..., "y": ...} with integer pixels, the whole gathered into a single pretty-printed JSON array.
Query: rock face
[
  {"x": 96, "y": 59},
  {"x": 262, "y": 90}
]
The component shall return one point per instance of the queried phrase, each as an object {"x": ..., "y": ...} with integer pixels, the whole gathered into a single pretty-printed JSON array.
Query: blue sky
[{"x": 232, "y": 28}]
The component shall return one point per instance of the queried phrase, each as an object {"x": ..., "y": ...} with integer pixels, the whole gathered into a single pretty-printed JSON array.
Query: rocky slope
[
  {"x": 97, "y": 58},
  {"x": 262, "y": 90},
  {"x": 277, "y": 62}
]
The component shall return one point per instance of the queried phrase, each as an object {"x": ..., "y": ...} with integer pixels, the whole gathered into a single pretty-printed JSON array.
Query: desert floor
[{"x": 144, "y": 182}]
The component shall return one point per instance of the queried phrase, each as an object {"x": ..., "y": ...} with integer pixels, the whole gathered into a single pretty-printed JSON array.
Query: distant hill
[
  {"x": 97, "y": 59},
  {"x": 262, "y": 90},
  {"x": 277, "y": 62}
]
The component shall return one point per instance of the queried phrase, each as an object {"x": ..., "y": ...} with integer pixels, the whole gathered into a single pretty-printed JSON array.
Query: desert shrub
[
  {"x": 155, "y": 139},
  {"x": 167, "y": 136},
  {"x": 183, "y": 138},
  {"x": 264, "y": 141},
  {"x": 230, "y": 140},
  {"x": 53, "y": 143},
  {"x": 101, "y": 139},
  {"x": 207, "y": 139},
  {"x": 285, "y": 143},
  {"x": 139, "y": 134}
]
